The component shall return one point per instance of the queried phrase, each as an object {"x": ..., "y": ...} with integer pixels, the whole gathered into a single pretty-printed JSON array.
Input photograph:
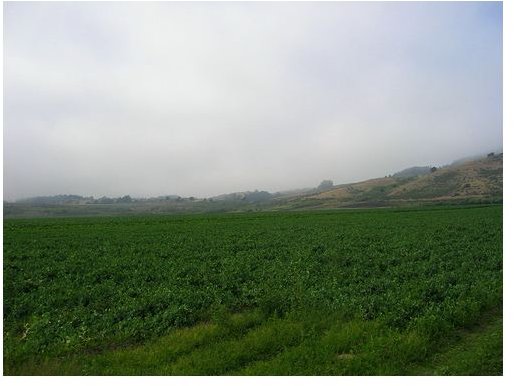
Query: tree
[
  {"x": 433, "y": 169},
  {"x": 325, "y": 184},
  {"x": 125, "y": 199},
  {"x": 257, "y": 196}
]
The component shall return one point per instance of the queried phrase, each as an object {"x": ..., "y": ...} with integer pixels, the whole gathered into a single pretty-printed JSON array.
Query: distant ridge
[{"x": 473, "y": 181}]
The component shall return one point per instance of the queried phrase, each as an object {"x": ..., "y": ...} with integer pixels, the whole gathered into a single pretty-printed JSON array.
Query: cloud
[{"x": 207, "y": 98}]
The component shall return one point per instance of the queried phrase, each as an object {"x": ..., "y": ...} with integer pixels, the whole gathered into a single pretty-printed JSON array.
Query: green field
[{"x": 352, "y": 292}]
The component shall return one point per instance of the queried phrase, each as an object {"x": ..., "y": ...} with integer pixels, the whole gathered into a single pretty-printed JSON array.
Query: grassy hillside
[{"x": 476, "y": 181}]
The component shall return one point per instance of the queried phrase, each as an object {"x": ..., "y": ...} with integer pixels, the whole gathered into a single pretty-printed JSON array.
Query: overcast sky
[{"x": 200, "y": 99}]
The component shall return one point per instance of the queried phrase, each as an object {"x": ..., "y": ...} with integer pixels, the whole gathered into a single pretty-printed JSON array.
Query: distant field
[{"x": 352, "y": 292}]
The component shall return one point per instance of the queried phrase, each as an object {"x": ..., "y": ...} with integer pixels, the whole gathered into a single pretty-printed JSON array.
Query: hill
[{"x": 475, "y": 181}]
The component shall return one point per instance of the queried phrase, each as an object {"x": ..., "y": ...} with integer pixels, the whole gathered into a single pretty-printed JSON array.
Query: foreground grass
[
  {"x": 250, "y": 344},
  {"x": 478, "y": 351}
]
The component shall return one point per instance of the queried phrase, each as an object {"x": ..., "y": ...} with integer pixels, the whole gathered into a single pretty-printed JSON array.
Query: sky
[{"x": 200, "y": 99}]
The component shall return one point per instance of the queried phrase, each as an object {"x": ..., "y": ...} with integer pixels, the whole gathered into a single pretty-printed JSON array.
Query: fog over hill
[
  {"x": 478, "y": 181},
  {"x": 248, "y": 196},
  {"x": 200, "y": 99}
]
